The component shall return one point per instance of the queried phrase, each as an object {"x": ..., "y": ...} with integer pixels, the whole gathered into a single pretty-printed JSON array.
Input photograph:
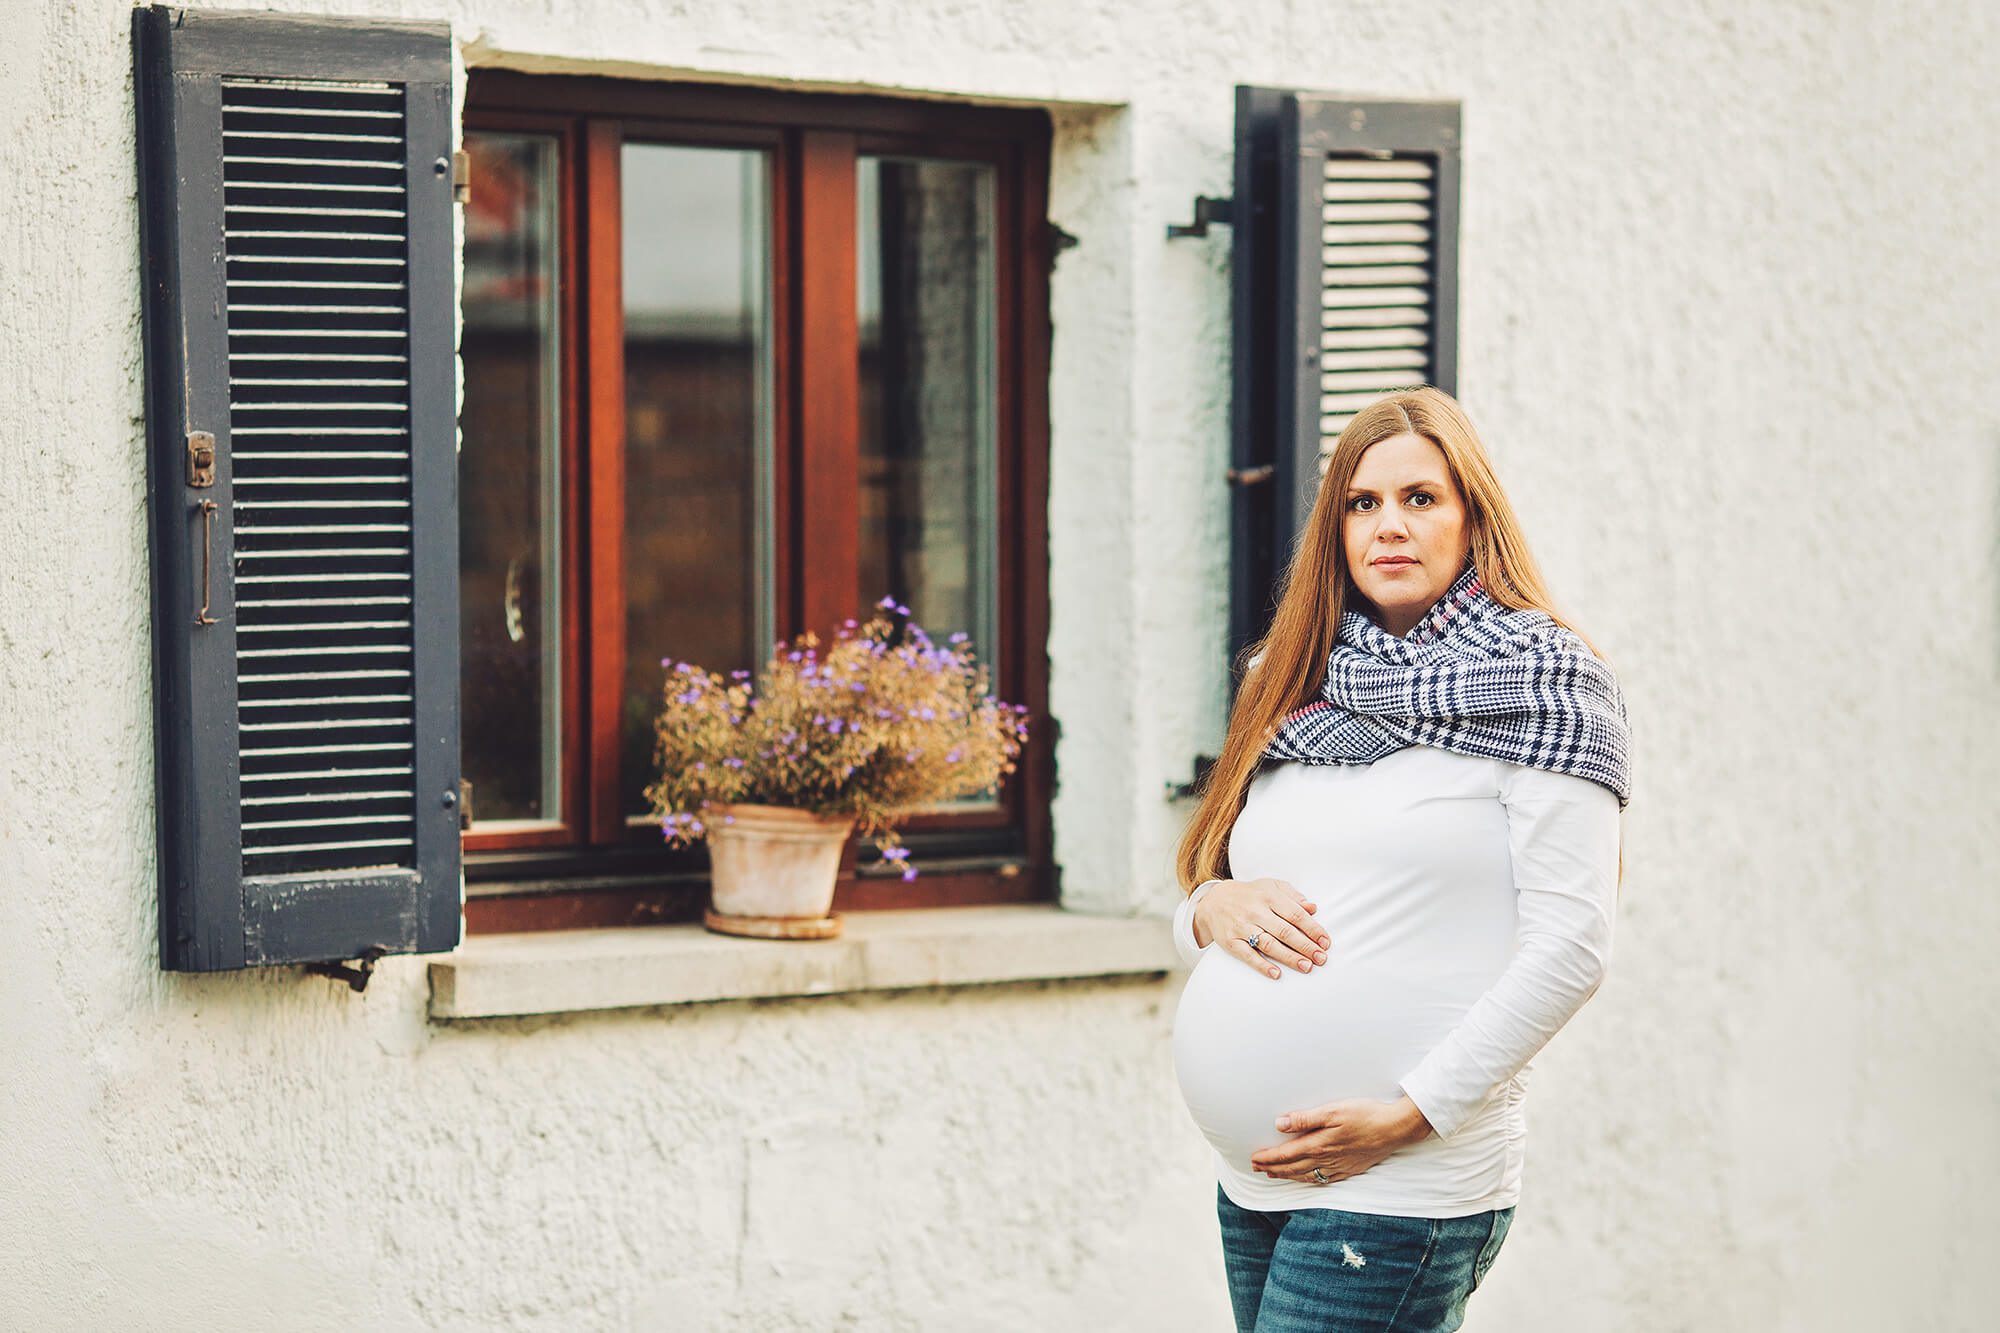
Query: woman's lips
[{"x": 1395, "y": 564}]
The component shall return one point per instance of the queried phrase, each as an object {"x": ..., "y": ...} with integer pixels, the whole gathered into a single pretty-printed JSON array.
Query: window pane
[
  {"x": 929, "y": 522},
  {"x": 698, "y": 550},
  {"x": 510, "y": 495}
]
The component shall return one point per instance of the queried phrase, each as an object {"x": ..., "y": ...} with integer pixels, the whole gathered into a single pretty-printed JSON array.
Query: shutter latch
[
  {"x": 201, "y": 458},
  {"x": 1206, "y": 210}
]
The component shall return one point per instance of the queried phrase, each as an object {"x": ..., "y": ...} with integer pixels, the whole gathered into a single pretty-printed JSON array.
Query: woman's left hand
[{"x": 1340, "y": 1139}]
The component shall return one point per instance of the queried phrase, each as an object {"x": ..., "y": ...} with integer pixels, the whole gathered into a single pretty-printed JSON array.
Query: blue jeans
[{"x": 1324, "y": 1270}]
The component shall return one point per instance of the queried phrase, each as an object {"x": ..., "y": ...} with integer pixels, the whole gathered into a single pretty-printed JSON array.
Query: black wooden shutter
[
  {"x": 1345, "y": 285},
  {"x": 295, "y": 199}
]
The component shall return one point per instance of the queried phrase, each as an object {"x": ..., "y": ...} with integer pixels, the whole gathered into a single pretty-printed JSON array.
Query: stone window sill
[{"x": 567, "y": 971}]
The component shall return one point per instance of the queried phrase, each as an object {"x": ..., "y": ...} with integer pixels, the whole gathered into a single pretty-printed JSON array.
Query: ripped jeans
[{"x": 1311, "y": 1270}]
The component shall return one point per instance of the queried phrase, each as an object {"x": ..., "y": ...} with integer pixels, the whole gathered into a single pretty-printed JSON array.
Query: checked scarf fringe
[{"x": 1473, "y": 677}]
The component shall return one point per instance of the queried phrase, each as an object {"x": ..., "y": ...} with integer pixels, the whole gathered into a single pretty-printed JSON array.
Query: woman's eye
[{"x": 1421, "y": 495}]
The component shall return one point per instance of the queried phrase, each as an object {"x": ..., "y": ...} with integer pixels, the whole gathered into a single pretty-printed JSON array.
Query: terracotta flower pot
[{"x": 773, "y": 870}]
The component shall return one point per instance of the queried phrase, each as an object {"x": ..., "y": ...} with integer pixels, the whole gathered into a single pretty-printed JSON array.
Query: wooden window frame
[{"x": 593, "y": 870}]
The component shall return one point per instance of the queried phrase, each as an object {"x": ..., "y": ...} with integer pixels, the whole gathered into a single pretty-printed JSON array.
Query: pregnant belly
[{"x": 1247, "y": 1048}]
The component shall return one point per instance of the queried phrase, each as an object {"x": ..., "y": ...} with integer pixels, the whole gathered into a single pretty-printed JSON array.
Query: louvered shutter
[
  {"x": 1345, "y": 286},
  {"x": 296, "y": 198}
]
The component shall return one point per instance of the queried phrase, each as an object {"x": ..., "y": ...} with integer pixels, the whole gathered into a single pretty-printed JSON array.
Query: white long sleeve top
[{"x": 1470, "y": 904}]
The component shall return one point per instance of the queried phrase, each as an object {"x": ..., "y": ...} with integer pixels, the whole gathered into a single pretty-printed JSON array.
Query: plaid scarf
[{"x": 1473, "y": 677}]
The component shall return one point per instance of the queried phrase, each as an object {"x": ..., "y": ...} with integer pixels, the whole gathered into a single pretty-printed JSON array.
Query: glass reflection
[
  {"x": 510, "y": 494},
  {"x": 929, "y": 512},
  {"x": 697, "y": 425}
]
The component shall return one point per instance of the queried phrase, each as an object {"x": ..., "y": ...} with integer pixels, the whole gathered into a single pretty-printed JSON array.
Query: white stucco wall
[{"x": 1727, "y": 325}]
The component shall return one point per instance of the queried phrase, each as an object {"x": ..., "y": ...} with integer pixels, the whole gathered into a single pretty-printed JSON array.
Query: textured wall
[{"x": 1727, "y": 326}]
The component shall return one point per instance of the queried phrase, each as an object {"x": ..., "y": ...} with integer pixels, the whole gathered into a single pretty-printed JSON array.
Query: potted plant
[{"x": 775, "y": 773}]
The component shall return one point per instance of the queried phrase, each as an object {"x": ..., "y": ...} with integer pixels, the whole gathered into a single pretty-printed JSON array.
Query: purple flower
[
  {"x": 896, "y": 854},
  {"x": 909, "y": 873},
  {"x": 887, "y": 603},
  {"x": 950, "y": 758},
  {"x": 834, "y": 726},
  {"x": 927, "y": 713},
  {"x": 729, "y": 819}
]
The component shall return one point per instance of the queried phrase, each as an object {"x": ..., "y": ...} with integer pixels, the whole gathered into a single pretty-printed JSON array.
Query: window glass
[
  {"x": 698, "y": 448},
  {"x": 510, "y": 491},
  {"x": 928, "y": 506}
]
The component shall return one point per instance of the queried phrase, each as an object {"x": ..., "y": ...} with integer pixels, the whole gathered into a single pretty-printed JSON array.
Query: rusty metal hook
[{"x": 202, "y": 617}]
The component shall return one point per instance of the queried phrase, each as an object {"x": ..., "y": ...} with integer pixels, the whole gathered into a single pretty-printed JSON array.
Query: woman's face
[{"x": 1403, "y": 528}]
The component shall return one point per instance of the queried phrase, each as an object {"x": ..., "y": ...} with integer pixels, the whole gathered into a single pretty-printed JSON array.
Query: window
[{"x": 737, "y": 364}]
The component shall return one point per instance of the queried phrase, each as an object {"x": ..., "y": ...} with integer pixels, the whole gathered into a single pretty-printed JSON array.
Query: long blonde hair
[{"x": 1291, "y": 657}]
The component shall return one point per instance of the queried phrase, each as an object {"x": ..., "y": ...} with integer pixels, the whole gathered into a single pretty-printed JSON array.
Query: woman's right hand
[{"x": 1236, "y": 909}]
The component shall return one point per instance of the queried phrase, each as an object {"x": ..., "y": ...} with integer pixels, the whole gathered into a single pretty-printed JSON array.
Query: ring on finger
[{"x": 1255, "y": 936}]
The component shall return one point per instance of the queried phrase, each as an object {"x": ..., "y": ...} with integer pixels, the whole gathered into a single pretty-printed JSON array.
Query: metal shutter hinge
[
  {"x": 1192, "y": 787},
  {"x": 356, "y": 977},
  {"x": 1059, "y": 241},
  {"x": 1206, "y": 211},
  {"x": 461, "y": 176}
]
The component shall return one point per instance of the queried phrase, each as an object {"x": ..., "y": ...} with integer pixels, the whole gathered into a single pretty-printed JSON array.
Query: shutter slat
[
  {"x": 333, "y": 529},
  {"x": 301, "y": 136},
  {"x": 298, "y": 848},
  {"x": 317, "y": 163},
  {"x": 1385, "y": 336},
  {"x": 327, "y": 774},
  {"x": 387, "y": 793},
  {"x": 314, "y": 455},
  {"x": 1411, "y": 357},
  {"x": 346, "y": 479},
  {"x": 286, "y": 678},
  {"x": 1346, "y": 251},
  {"x": 345, "y": 237},
  {"x": 267, "y": 604}
]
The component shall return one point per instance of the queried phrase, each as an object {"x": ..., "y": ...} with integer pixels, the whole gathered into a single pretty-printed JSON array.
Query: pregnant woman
[{"x": 1407, "y": 860}]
